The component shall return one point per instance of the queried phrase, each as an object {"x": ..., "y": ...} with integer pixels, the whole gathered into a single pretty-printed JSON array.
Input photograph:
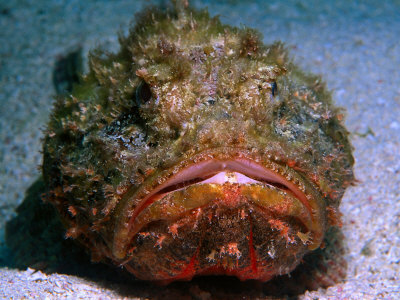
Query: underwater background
[{"x": 354, "y": 45}]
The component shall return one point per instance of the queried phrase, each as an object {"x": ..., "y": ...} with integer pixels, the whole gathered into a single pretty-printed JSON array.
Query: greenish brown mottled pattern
[{"x": 211, "y": 87}]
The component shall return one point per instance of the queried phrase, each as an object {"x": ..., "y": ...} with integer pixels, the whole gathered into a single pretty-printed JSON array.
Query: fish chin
[{"x": 232, "y": 217}]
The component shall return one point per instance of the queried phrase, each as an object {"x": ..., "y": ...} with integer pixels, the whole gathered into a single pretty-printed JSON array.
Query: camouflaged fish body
[{"x": 196, "y": 149}]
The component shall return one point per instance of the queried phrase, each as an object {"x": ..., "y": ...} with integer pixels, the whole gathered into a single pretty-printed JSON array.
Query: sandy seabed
[{"x": 354, "y": 45}]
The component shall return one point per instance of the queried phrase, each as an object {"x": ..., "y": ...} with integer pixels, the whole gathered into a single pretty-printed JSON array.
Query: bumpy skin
[{"x": 184, "y": 89}]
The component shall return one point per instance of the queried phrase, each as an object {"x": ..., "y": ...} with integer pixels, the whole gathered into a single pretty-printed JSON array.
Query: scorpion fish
[{"x": 196, "y": 149}]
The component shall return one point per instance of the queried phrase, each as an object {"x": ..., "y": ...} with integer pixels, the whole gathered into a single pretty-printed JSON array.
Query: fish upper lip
[{"x": 199, "y": 171}]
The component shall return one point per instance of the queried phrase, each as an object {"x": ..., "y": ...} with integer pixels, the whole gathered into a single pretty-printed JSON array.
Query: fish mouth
[
  {"x": 214, "y": 172},
  {"x": 226, "y": 183},
  {"x": 214, "y": 202}
]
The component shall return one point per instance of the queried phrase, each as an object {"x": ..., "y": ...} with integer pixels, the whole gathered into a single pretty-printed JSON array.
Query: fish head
[{"x": 196, "y": 150}]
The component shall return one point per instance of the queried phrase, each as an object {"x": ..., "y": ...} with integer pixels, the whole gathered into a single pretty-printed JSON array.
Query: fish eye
[
  {"x": 143, "y": 93},
  {"x": 274, "y": 88}
]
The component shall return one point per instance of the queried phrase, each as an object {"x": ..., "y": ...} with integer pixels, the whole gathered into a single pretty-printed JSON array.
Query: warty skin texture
[{"x": 182, "y": 91}]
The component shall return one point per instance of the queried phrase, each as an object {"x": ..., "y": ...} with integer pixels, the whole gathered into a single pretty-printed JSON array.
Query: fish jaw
[{"x": 272, "y": 224}]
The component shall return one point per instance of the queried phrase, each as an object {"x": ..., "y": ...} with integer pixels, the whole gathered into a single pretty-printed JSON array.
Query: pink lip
[{"x": 208, "y": 171}]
